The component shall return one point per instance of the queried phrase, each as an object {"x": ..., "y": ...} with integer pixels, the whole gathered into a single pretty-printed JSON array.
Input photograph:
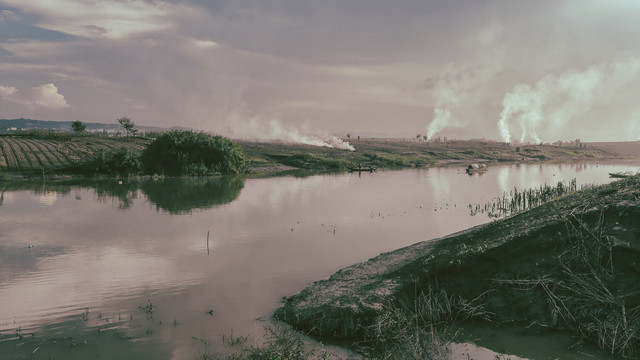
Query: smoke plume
[
  {"x": 273, "y": 130},
  {"x": 539, "y": 111},
  {"x": 446, "y": 98}
]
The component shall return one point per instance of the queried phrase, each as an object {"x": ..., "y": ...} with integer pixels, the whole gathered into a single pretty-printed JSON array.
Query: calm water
[{"x": 124, "y": 270}]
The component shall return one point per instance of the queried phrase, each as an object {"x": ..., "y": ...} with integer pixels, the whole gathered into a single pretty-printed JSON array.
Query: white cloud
[
  {"x": 7, "y": 91},
  {"x": 44, "y": 96},
  {"x": 7, "y": 16},
  {"x": 204, "y": 44},
  {"x": 95, "y": 18},
  {"x": 47, "y": 96}
]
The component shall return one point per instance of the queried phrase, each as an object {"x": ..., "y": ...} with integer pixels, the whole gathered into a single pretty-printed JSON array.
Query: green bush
[
  {"x": 191, "y": 153},
  {"x": 119, "y": 162}
]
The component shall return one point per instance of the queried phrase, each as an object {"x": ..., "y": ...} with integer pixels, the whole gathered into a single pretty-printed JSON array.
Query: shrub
[
  {"x": 119, "y": 162},
  {"x": 189, "y": 153}
]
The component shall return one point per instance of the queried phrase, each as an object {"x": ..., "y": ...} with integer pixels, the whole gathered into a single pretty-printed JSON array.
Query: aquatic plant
[{"x": 517, "y": 201}]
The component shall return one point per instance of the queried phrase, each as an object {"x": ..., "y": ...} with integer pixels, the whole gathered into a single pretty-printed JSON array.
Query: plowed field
[{"x": 18, "y": 153}]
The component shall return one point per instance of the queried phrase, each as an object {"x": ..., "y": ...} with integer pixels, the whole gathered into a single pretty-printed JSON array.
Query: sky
[{"x": 515, "y": 71}]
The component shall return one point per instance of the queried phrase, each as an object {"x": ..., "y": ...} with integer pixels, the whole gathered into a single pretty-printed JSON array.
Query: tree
[
  {"x": 78, "y": 127},
  {"x": 127, "y": 125}
]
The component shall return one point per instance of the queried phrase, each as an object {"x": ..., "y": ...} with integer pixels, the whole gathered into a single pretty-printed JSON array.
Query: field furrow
[
  {"x": 10, "y": 155},
  {"x": 21, "y": 158},
  {"x": 32, "y": 162},
  {"x": 35, "y": 152},
  {"x": 3, "y": 157},
  {"x": 51, "y": 148},
  {"x": 45, "y": 155},
  {"x": 79, "y": 152},
  {"x": 27, "y": 153}
]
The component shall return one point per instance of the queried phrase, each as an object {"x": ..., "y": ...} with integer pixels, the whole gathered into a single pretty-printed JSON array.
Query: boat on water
[
  {"x": 363, "y": 168},
  {"x": 621, "y": 174},
  {"x": 475, "y": 168}
]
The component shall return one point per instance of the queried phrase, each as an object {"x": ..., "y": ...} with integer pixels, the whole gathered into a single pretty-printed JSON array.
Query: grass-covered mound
[
  {"x": 190, "y": 153},
  {"x": 572, "y": 264}
]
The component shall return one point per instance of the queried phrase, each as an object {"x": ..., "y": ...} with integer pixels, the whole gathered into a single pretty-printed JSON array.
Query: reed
[
  {"x": 423, "y": 328},
  {"x": 516, "y": 201}
]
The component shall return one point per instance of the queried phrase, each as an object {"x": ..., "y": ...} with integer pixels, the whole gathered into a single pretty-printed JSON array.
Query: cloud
[
  {"x": 7, "y": 16},
  {"x": 97, "y": 18},
  {"x": 47, "y": 96},
  {"x": 7, "y": 91},
  {"x": 204, "y": 44},
  {"x": 340, "y": 66},
  {"x": 43, "y": 96}
]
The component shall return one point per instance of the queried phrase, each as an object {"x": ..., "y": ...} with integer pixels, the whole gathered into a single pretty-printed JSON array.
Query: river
[{"x": 163, "y": 269}]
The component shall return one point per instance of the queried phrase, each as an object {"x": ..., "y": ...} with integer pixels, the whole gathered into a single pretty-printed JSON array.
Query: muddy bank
[{"x": 554, "y": 267}]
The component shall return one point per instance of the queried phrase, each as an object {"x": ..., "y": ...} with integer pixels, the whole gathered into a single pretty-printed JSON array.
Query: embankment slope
[{"x": 537, "y": 267}]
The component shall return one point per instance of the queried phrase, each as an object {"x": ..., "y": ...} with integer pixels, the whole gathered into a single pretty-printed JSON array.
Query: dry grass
[
  {"x": 421, "y": 329},
  {"x": 580, "y": 295}
]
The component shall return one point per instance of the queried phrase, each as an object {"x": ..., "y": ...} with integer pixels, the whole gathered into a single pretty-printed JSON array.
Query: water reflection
[
  {"x": 180, "y": 196},
  {"x": 112, "y": 247},
  {"x": 172, "y": 195}
]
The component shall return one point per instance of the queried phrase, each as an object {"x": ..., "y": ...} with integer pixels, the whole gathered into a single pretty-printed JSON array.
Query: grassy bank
[
  {"x": 572, "y": 264},
  {"x": 32, "y": 154},
  {"x": 407, "y": 153}
]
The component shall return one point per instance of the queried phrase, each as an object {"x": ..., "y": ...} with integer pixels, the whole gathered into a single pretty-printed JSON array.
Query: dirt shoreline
[{"x": 485, "y": 263}]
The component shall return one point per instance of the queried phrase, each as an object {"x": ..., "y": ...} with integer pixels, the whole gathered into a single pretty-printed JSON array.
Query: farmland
[
  {"x": 26, "y": 154},
  {"x": 40, "y": 152}
]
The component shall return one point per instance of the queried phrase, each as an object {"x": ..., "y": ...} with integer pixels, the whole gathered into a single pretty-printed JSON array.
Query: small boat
[
  {"x": 361, "y": 168},
  {"x": 474, "y": 168},
  {"x": 621, "y": 174}
]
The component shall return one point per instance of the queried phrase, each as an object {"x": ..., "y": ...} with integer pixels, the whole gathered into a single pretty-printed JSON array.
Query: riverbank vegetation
[
  {"x": 34, "y": 153},
  {"x": 571, "y": 264},
  {"x": 187, "y": 153}
]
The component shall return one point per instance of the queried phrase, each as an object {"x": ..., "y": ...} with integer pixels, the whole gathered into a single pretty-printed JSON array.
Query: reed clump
[
  {"x": 516, "y": 201},
  {"x": 582, "y": 295},
  {"x": 423, "y": 328}
]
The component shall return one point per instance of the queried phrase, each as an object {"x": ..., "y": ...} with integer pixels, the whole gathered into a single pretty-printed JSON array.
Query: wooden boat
[{"x": 474, "y": 168}]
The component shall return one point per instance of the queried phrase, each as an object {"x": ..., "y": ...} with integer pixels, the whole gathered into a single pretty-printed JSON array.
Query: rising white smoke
[
  {"x": 447, "y": 97},
  {"x": 273, "y": 130},
  {"x": 457, "y": 95},
  {"x": 557, "y": 101},
  {"x": 462, "y": 88}
]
